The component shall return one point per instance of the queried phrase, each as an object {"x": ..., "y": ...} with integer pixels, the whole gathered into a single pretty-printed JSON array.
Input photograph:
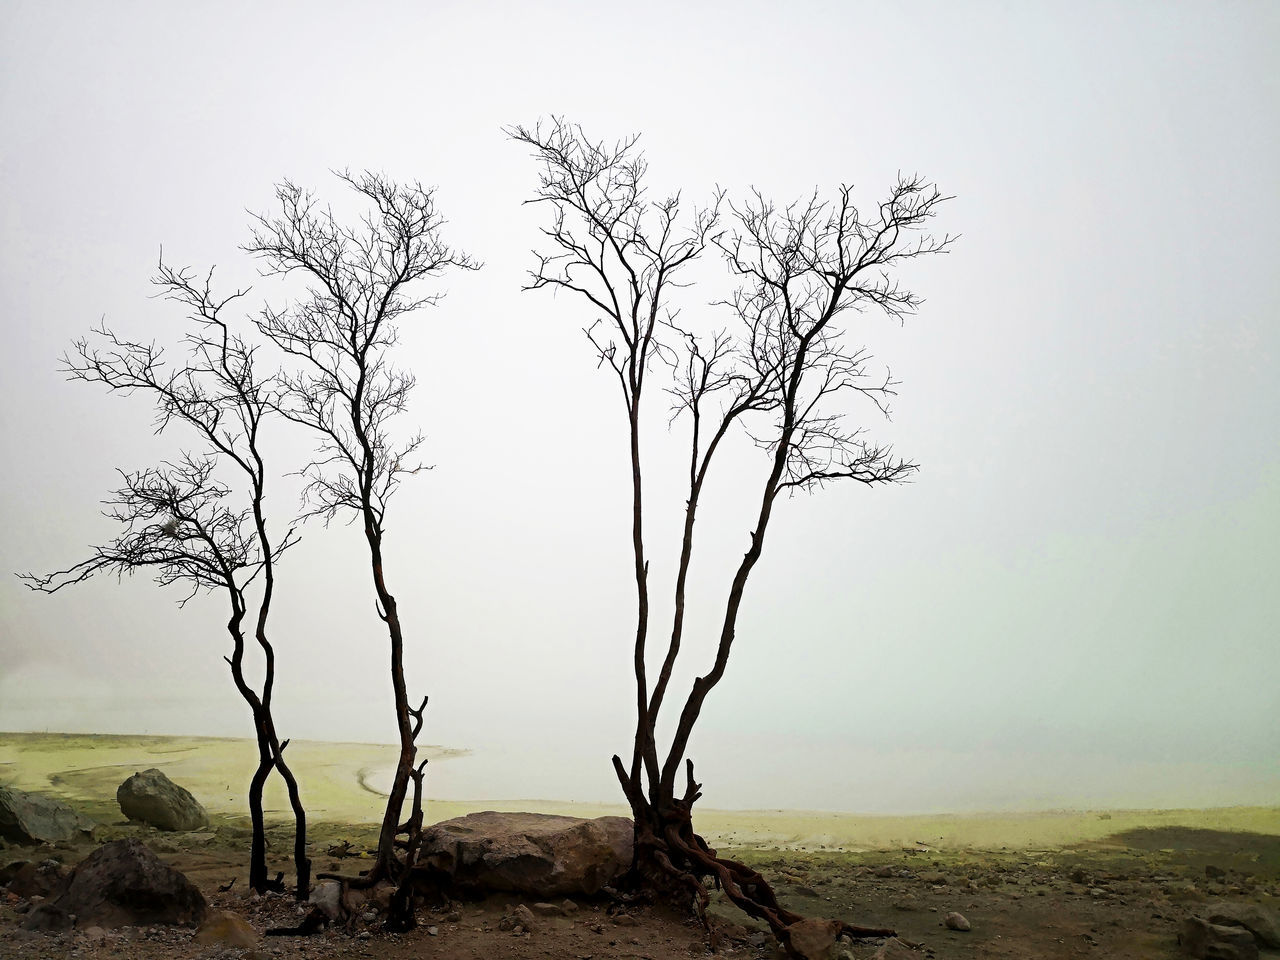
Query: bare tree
[
  {"x": 776, "y": 374},
  {"x": 176, "y": 519},
  {"x": 360, "y": 280}
]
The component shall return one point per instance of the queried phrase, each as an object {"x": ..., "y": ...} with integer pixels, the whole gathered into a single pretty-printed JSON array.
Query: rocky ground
[{"x": 1119, "y": 898}]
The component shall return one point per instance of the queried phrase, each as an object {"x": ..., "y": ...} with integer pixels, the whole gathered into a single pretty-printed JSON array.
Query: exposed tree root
[
  {"x": 401, "y": 913},
  {"x": 675, "y": 862}
]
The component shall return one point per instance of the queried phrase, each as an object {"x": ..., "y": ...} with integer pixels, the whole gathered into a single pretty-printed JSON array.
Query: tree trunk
[
  {"x": 258, "y": 849},
  {"x": 301, "y": 863},
  {"x": 387, "y": 864}
]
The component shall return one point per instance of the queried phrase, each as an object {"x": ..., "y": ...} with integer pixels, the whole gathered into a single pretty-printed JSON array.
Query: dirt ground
[{"x": 1118, "y": 898}]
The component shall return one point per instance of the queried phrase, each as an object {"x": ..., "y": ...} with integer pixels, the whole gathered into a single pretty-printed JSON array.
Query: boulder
[
  {"x": 122, "y": 883},
  {"x": 1209, "y": 941},
  {"x": 29, "y": 818},
  {"x": 1257, "y": 920},
  {"x": 542, "y": 855},
  {"x": 152, "y": 798}
]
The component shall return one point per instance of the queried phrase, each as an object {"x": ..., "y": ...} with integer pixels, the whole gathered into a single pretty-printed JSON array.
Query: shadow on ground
[{"x": 1248, "y": 852}]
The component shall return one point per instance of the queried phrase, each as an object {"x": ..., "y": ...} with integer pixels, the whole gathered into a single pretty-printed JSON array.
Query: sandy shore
[{"x": 340, "y": 783}]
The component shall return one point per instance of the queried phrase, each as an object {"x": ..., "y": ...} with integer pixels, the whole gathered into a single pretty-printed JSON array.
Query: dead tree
[
  {"x": 776, "y": 374},
  {"x": 176, "y": 519},
  {"x": 359, "y": 283}
]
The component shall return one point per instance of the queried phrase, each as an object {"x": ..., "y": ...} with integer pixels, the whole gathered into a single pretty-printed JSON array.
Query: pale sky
[{"x": 1073, "y": 604}]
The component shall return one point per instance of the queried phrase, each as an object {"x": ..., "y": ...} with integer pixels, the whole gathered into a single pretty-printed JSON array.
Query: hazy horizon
[{"x": 1074, "y": 604}]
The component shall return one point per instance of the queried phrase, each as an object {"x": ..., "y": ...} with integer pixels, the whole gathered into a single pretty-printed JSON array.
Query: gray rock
[
  {"x": 152, "y": 798},
  {"x": 120, "y": 884},
  {"x": 956, "y": 921},
  {"x": 29, "y": 818},
  {"x": 1209, "y": 941},
  {"x": 327, "y": 896},
  {"x": 1257, "y": 920},
  {"x": 537, "y": 854}
]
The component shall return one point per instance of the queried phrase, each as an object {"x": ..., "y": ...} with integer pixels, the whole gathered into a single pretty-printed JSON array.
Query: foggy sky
[{"x": 1073, "y": 604}]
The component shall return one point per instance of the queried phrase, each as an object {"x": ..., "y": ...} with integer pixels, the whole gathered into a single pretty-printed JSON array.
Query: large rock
[
  {"x": 152, "y": 798},
  {"x": 120, "y": 884},
  {"x": 1257, "y": 920},
  {"x": 533, "y": 853},
  {"x": 1209, "y": 941},
  {"x": 29, "y": 818}
]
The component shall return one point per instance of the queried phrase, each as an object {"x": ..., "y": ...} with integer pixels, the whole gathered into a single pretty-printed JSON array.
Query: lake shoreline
[{"x": 339, "y": 784}]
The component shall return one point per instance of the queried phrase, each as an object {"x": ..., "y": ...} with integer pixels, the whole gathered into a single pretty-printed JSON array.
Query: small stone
[
  {"x": 813, "y": 938},
  {"x": 432, "y": 931},
  {"x": 523, "y": 916},
  {"x": 956, "y": 921},
  {"x": 1214, "y": 873},
  {"x": 885, "y": 871},
  {"x": 895, "y": 949},
  {"x": 453, "y": 916},
  {"x": 624, "y": 920},
  {"x": 569, "y": 907},
  {"x": 548, "y": 910},
  {"x": 226, "y": 928}
]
